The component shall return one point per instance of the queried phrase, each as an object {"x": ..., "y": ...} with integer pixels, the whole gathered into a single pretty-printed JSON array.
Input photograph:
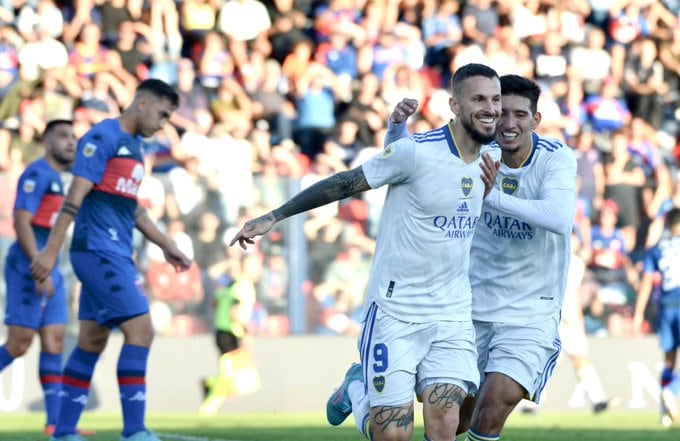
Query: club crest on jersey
[
  {"x": 55, "y": 187},
  {"x": 29, "y": 186},
  {"x": 509, "y": 185},
  {"x": 89, "y": 149},
  {"x": 379, "y": 383},
  {"x": 466, "y": 185},
  {"x": 387, "y": 151}
]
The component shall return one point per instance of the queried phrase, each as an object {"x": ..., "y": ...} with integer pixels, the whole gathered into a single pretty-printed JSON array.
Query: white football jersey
[
  {"x": 519, "y": 270},
  {"x": 431, "y": 210}
]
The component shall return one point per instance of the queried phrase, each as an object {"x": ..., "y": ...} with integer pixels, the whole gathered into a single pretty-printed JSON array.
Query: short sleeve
[{"x": 393, "y": 165}]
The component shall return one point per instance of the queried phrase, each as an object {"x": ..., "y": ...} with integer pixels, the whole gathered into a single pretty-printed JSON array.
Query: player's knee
[
  {"x": 18, "y": 347},
  {"x": 444, "y": 427},
  {"x": 489, "y": 418}
]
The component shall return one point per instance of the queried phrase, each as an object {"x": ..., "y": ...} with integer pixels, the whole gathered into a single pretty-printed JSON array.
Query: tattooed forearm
[
  {"x": 331, "y": 189},
  {"x": 446, "y": 395},
  {"x": 385, "y": 416}
]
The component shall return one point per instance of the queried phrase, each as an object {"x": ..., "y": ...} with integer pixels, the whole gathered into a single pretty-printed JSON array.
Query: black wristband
[{"x": 70, "y": 209}]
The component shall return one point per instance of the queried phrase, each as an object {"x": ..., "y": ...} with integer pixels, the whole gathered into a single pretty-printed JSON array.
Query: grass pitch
[{"x": 565, "y": 426}]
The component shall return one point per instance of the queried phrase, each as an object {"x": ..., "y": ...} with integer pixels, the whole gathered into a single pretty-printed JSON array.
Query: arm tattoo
[
  {"x": 333, "y": 188},
  {"x": 70, "y": 208},
  {"x": 400, "y": 416},
  {"x": 446, "y": 395}
]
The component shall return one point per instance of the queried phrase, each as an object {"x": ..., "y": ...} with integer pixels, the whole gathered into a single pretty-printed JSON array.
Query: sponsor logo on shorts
[{"x": 379, "y": 383}]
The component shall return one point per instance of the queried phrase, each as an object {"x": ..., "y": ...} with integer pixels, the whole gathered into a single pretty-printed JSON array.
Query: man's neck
[
  {"x": 468, "y": 147},
  {"x": 58, "y": 166},
  {"x": 518, "y": 157},
  {"x": 128, "y": 122}
]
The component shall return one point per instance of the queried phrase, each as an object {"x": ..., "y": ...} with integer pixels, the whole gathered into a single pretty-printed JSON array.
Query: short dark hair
[
  {"x": 673, "y": 217},
  {"x": 51, "y": 125},
  {"x": 468, "y": 71},
  {"x": 521, "y": 86},
  {"x": 160, "y": 89}
]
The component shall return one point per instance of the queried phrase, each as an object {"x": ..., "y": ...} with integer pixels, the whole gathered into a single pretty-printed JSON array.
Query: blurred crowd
[{"x": 277, "y": 94}]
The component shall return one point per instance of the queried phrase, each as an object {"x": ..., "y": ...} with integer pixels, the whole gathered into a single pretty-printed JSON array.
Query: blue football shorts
[
  {"x": 109, "y": 294},
  {"x": 28, "y": 308}
]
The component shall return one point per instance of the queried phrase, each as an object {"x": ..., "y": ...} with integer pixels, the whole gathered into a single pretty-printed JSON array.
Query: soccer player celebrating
[
  {"x": 664, "y": 259},
  {"x": 417, "y": 332},
  {"x": 102, "y": 199},
  {"x": 519, "y": 260},
  {"x": 39, "y": 307}
]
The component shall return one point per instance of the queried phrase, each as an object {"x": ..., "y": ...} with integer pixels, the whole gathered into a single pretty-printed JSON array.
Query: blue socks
[
  {"x": 75, "y": 388},
  {"x": 50, "y": 378},
  {"x": 131, "y": 382},
  {"x": 5, "y": 358}
]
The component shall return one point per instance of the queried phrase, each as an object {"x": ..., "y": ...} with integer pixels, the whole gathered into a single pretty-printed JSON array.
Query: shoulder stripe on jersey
[
  {"x": 429, "y": 134},
  {"x": 549, "y": 144}
]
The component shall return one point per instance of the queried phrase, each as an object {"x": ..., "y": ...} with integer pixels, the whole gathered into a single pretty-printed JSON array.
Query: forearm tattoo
[
  {"x": 446, "y": 395},
  {"x": 334, "y": 188},
  {"x": 385, "y": 416}
]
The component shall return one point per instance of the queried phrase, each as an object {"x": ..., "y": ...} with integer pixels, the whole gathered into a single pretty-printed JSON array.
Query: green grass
[{"x": 566, "y": 426}]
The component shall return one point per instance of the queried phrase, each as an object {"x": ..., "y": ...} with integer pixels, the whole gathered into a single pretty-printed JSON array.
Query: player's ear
[
  {"x": 536, "y": 120},
  {"x": 453, "y": 105}
]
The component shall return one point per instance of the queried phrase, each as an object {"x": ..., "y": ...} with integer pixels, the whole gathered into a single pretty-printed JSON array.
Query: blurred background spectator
[{"x": 277, "y": 94}]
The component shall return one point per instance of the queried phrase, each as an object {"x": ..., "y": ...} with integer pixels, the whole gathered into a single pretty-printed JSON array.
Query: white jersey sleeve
[
  {"x": 393, "y": 165},
  {"x": 554, "y": 210}
]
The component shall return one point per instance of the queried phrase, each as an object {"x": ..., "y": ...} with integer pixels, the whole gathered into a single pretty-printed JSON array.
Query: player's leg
[
  {"x": 575, "y": 346},
  {"x": 77, "y": 374},
  {"x": 391, "y": 356},
  {"x": 521, "y": 359},
  {"x": 497, "y": 398},
  {"x": 465, "y": 417},
  {"x": 92, "y": 338},
  {"x": 131, "y": 370},
  {"x": 49, "y": 369},
  {"x": 668, "y": 339},
  {"x": 52, "y": 329},
  {"x": 351, "y": 397},
  {"x": 18, "y": 341},
  {"x": 445, "y": 376}
]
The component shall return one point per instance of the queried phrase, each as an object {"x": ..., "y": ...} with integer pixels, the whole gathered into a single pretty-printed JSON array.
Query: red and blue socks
[
  {"x": 131, "y": 382},
  {"x": 75, "y": 390},
  {"x": 49, "y": 369}
]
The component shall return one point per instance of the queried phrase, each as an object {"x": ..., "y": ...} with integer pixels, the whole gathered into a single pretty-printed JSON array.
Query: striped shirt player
[
  {"x": 102, "y": 200},
  {"x": 33, "y": 307},
  {"x": 101, "y": 249},
  {"x": 41, "y": 192},
  {"x": 420, "y": 269},
  {"x": 662, "y": 266}
]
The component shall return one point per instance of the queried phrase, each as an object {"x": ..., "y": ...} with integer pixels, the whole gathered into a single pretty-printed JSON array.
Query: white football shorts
[
  {"x": 399, "y": 357},
  {"x": 527, "y": 353}
]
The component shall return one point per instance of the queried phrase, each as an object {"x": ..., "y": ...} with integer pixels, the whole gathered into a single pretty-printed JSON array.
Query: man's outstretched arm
[{"x": 334, "y": 188}]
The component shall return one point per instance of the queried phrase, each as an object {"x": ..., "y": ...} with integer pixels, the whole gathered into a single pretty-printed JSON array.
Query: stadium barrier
[{"x": 299, "y": 372}]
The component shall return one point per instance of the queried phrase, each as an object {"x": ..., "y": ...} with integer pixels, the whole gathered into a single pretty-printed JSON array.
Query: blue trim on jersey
[
  {"x": 548, "y": 369},
  {"x": 365, "y": 341},
  {"x": 549, "y": 144},
  {"x": 444, "y": 133}
]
